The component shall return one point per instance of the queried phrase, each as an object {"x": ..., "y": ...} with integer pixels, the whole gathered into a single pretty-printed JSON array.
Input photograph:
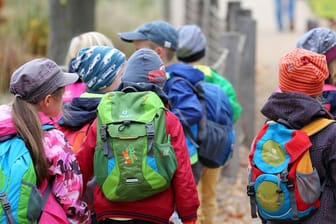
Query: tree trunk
[{"x": 68, "y": 18}]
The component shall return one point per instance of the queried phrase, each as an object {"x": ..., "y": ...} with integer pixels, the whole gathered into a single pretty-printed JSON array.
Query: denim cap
[
  {"x": 145, "y": 66},
  {"x": 159, "y": 32},
  {"x": 98, "y": 66},
  {"x": 191, "y": 43},
  {"x": 38, "y": 78},
  {"x": 319, "y": 40}
]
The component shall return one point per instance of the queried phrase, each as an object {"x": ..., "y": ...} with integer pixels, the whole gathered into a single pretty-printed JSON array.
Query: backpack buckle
[
  {"x": 150, "y": 136},
  {"x": 103, "y": 132},
  {"x": 104, "y": 136},
  {"x": 4, "y": 202},
  {"x": 284, "y": 176},
  {"x": 150, "y": 129},
  {"x": 250, "y": 190},
  {"x": 290, "y": 185}
]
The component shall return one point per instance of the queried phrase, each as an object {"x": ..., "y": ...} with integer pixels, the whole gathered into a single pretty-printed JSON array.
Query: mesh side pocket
[{"x": 309, "y": 186}]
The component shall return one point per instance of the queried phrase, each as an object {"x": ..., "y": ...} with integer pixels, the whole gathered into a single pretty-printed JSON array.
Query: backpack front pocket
[{"x": 272, "y": 197}]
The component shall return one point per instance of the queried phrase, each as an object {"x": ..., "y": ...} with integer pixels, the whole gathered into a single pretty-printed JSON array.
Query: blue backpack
[
  {"x": 215, "y": 131},
  {"x": 283, "y": 184},
  {"x": 20, "y": 199}
]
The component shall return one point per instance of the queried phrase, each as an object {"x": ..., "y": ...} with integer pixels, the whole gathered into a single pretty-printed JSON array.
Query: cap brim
[
  {"x": 131, "y": 36},
  {"x": 68, "y": 78}
]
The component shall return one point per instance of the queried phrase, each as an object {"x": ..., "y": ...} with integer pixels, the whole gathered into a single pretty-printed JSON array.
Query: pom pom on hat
[
  {"x": 303, "y": 71},
  {"x": 98, "y": 66}
]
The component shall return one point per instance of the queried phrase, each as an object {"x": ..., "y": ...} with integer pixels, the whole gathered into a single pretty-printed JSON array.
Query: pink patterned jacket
[{"x": 68, "y": 182}]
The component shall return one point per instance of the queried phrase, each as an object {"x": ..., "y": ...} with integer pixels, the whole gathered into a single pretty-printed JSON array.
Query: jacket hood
[
  {"x": 79, "y": 112},
  {"x": 296, "y": 108},
  {"x": 185, "y": 71},
  {"x": 6, "y": 123},
  {"x": 7, "y": 126},
  {"x": 145, "y": 87}
]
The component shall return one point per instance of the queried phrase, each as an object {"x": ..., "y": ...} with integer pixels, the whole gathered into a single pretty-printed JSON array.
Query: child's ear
[
  {"x": 159, "y": 50},
  {"x": 45, "y": 102}
]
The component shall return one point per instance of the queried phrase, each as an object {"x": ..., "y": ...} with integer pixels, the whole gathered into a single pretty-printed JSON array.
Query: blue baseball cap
[{"x": 159, "y": 32}]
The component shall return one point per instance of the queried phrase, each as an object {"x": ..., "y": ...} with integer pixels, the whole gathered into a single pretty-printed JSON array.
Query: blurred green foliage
[{"x": 23, "y": 35}]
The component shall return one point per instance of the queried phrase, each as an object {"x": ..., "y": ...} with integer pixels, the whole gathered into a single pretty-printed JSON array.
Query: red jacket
[{"x": 182, "y": 194}]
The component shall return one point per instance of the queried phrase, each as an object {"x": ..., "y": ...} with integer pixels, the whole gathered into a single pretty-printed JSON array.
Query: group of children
[{"x": 67, "y": 99}]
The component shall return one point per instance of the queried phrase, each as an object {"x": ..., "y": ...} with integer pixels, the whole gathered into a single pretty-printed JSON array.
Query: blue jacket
[
  {"x": 80, "y": 111},
  {"x": 184, "y": 102}
]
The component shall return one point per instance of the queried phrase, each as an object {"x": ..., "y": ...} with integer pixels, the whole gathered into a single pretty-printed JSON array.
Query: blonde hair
[
  {"x": 85, "y": 40},
  {"x": 168, "y": 54}
]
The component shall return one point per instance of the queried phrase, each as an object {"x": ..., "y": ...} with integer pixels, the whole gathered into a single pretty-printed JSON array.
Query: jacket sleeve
[
  {"x": 185, "y": 104},
  {"x": 186, "y": 197},
  {"x": 68, "y": 182},
  {"x": 85, "y": 153}
]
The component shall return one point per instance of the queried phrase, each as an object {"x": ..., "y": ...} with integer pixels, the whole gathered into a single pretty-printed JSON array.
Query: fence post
[
  {"x": 247, "y": 27},
  {"x": 231, "y": 16},
  {"x": 233, "y": 42}
]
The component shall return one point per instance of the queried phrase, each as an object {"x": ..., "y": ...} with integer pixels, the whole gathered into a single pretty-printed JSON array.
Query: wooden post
[
  {"x": 233, "y": 42},
  {"x": 247, "y": 27},
  {"x": 231, "y": 16},
  {"x": 240, "y": 70},
  {"x": 67, "y": 20}
]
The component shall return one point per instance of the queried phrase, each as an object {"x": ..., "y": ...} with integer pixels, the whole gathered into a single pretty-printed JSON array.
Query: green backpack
[{"x": 133, "y": 158}]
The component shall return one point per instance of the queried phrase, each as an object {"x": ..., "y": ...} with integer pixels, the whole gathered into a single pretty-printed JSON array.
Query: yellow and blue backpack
[{"x": 283, "y": 184}]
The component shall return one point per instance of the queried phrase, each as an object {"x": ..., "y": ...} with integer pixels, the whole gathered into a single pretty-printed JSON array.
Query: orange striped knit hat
[{"x": 303, "y": 71}]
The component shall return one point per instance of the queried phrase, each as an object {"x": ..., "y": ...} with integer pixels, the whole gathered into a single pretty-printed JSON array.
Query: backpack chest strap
[{"x": 7, "y": 208}]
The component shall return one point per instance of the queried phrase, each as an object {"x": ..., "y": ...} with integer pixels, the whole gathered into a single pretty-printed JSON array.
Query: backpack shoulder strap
[
  {"x": 311, "y": 129},
  {"x": 178, "y": 78},
  {"x": 47, "y": 127},
  {"x": 197, "y": 88},
  {"x": 317, "y": 125}
]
